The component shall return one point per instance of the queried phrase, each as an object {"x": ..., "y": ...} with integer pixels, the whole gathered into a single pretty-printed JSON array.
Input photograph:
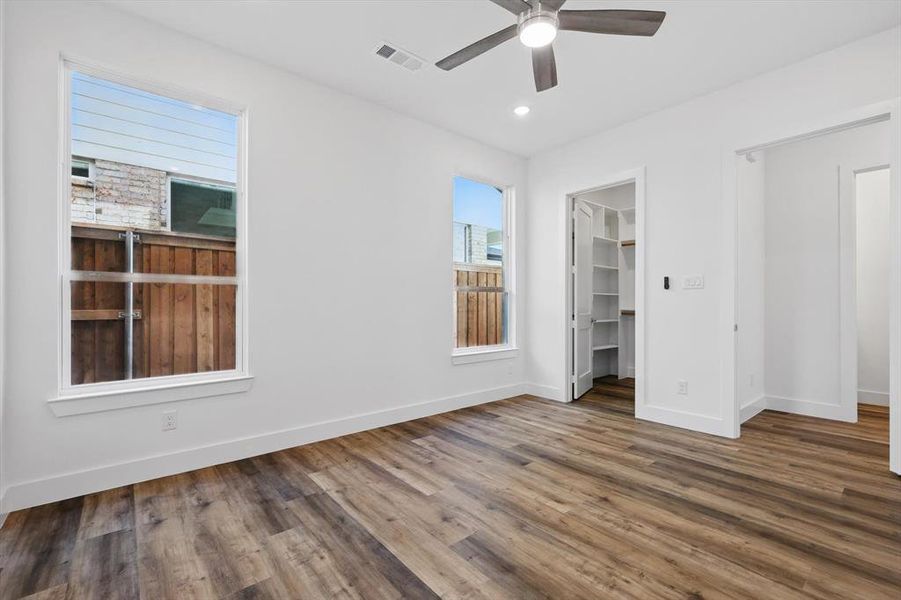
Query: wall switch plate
[
  {"x": 693, "y": 282},
  {"x": 682, "y": 387},
  {"x": 170, "y": 420}
]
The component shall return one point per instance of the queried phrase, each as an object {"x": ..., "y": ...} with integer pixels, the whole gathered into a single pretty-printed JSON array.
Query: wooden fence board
[
  {"x": 184, "y": 358},
  {"x": 462, "y": 341},
  {"x": 204, "y": 314},
  {"x": 226, "y": 313},
  {"x": 482, "y": 320},
  {"x": 491, "y": 314},
  {"x": 472, "y": 310},
  {"x": 160, "y": 315},
  {"x": 109, "y": 350}
]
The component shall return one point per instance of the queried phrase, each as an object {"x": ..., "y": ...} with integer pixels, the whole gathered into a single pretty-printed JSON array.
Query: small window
[
  {"x": 204, "y": 208},
  {"x": 481, "y": 298},
  {"x": 82, "y": 169}
]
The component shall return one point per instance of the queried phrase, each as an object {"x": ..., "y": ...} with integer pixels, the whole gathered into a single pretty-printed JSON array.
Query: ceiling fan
[{"x": 537, "y": 26}]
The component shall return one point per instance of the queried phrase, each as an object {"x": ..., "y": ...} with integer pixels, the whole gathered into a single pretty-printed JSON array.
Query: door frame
[
  {"x": 638, "y": 177},
  {"x": 887, "y": 110}
]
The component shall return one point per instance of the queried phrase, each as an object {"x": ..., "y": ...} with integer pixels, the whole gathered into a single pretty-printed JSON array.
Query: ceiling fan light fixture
[{"x": 537, "y": 28}]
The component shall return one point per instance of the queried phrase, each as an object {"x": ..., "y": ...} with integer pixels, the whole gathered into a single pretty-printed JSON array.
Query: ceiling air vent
[{"x": 400, "y": 57}]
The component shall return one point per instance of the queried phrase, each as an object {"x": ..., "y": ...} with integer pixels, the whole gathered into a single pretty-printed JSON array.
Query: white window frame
[
  {"x": 508, "y": 350},
  {"x": 90, "y": 163},
  {"x": 95, "y": 397}
]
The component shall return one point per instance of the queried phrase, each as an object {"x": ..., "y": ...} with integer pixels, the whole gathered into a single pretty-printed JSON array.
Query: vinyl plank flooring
[{"x": 521, "y": 498}]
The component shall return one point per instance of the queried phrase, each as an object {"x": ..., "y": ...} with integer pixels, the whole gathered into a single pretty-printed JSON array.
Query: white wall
[
  {"x": 803, "y": 254},
  {"x": 2, "y": 254},
  {"x": 872, "y": 203},
  {"x": 749, "y": 288},
  {"x": 362, "y": 330},
  {"x": 682, "y": 149}
]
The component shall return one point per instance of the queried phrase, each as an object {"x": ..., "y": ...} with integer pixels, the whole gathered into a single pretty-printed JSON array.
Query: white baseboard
[
  {"x": 871, "y": 397},
  {"x": 2, "y": 519},
  {"x": 684, "y": 419},
  {"x": 548, "y": 392},
  {"x": 70, "y": 485},
  {"x": 630, "y": 372},
  {"x": 751, "y": 408},
  {"x": 811, "y": 408}
]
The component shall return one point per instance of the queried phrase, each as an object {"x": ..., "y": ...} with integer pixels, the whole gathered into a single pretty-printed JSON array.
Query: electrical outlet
[
  {"x": 170, "y": 420},
  {"x": 693, "y": 282},
  {"x": 682, "y": 387}
]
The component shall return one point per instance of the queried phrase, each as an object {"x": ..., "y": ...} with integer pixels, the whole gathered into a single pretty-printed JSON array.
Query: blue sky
[{"x": 477, "y": 203}]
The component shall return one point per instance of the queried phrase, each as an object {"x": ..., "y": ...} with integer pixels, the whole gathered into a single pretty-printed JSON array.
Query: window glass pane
[
  {"x": 178, "y": 328},
  {"x": 478, "y": 223},
  {"x": 153, "y": 194},
  {"x": 184, "y": 328},
  {"x": 478, "y": 252},
  {"x": 202, "y": 208},
  {"x": 81, "y": 168},
  {"x": 97, "y": 332}
]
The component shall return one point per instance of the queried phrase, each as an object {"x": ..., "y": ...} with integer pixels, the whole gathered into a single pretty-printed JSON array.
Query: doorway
[
  {"x": 803, "y": 342},
  {"x": 604, "y": 280},
  {"x": 871, "y": 201}
]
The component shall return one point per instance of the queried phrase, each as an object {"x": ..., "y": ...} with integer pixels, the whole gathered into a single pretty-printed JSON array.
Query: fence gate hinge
[
  {"x": 136, "y": 237},
  {"x": 135, "y": 315}
]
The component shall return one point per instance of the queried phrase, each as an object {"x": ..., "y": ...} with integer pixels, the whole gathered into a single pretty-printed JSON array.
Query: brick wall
[{"x": 121, "y": 195}]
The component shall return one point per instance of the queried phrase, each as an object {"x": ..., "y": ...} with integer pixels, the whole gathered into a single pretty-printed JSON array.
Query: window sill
[
  {"x": 465, "y": 357},
  {"x": 99, "y": 401}
]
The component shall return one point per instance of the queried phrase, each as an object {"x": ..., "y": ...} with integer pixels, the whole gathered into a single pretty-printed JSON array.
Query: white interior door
[{"x": 582, "y": 300}]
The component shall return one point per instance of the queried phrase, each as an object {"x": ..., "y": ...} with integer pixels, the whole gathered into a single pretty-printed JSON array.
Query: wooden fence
[
  {"x": 181, "y": 328},
  {"x": 480, "y": 315}
]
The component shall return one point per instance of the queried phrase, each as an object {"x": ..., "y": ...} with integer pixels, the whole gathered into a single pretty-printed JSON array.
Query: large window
[
  {"x": 154, "y": 287},
  {"x": 480, "y": 247}
]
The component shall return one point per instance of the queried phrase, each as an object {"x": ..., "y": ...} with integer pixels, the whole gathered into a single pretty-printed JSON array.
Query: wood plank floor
[{"x": 522, "y": 498}]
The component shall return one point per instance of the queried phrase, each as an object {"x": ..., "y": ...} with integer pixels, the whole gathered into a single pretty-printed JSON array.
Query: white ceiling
[{"x": 702, "y": 46}]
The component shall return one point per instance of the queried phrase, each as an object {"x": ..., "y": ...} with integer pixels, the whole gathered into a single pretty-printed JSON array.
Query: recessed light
[{"x": 521, "y": 111}]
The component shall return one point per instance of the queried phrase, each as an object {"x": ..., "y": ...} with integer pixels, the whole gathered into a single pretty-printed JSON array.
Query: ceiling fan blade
[
  {"x": 471, "y": 51},
  {"x": 616, "y": 22},
  {"x": 547, "y": 4},
  {"x": 515, "y": 6},
  {"x": 544, "y": 67}
]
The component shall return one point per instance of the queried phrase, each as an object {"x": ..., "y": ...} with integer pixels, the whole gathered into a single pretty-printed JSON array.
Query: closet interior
[{"x": 613, "y": 280}]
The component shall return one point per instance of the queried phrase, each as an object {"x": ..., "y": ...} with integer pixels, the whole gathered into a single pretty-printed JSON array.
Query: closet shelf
[
  {"x": 596, "y": 321},
  {"x": 608, "y": 267},
  {"x": 605, "y": 239},
  {"x": 627, "y": 243},
  {"x": 606, "y": 294},
  {"x": 607, "y": 347}
]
